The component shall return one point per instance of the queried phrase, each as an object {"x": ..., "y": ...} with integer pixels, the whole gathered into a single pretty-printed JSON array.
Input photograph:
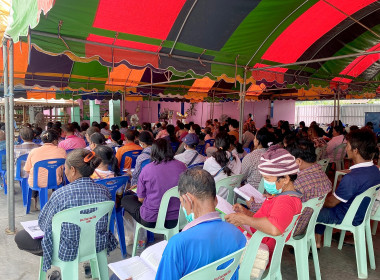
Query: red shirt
[{"x": 280, "y": 211}]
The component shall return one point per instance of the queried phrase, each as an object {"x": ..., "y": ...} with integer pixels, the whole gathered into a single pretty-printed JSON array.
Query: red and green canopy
[{"x": 107, "y": 39}]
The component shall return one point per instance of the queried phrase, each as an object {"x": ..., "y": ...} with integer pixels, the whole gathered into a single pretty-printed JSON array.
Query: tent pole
[
  {"x": 242, "y": 99},
  {"x": 334, "y": 106},
  {"x": 338, "y": 107},
  {"x": 6, "y": 108},
  {"x": 10, "y": 173}
]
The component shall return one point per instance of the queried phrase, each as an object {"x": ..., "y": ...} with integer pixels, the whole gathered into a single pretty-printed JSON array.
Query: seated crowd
[{"x": 284, "y": 160}]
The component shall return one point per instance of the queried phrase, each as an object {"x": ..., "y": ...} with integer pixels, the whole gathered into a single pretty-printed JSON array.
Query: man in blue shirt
[
  {"x": 361, "y": 146},
  {"x": 206, "y": 238}
]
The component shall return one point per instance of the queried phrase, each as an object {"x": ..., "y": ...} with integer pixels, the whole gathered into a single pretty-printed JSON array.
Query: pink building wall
[{"x": 282, "y": 110}]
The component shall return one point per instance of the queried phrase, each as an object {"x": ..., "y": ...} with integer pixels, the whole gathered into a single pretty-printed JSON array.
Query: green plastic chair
[
  {"x": 324, "y": 163},
  {"x": 320, "y": 152},
  {"x": 261, "y": 186},
  {"x": 229, "y": 183},
  {"x": 160, "y": 224},
  {"x": 302, "y": 243},
  {"x": 339, "y": 154},
  {"x": 211, "y": 270},
  {"x": 361, "y": 233},
  {"x": 375, "y": 218},
  {"x": 249, "y": 257},
  {"x": 87, "y": 245}
]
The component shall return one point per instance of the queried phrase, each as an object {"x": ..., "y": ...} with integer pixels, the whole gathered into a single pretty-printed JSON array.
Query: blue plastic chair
[
  {"x": 131, "y": 154},
  {"x": 196, "y": 165},
  {"x": 113, "y": 184},
  {"x": 51, "y": 165},
  {"x": 23, "y": 181},
  {"x": 248, "y": 150},
  {"x": 200, "y": 149},
  {"x": 210, "y": 142},
  {"x": 145, "y": 162},
  {"x": 175, "y": 146},
  {"x": 69, "y": 150},
  {"x": 3, "y": 171}
]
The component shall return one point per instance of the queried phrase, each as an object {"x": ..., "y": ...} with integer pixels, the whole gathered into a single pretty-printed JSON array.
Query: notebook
[
  {"x": 226, "y": 208},
  {"x": 143, "y": 267},
  {"x": 33, "y": 229},
  {"x": 247, "y": 191}
]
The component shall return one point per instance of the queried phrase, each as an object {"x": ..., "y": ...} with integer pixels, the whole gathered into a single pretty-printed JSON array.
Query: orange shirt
[
  {"x": 46, "y": 151},
  {"x": 126, "y": 148},
  {"x": 234, "y": 133}
]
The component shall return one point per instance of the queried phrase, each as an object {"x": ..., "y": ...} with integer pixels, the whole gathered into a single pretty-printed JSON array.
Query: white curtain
[{"x": 352, "y": 114}]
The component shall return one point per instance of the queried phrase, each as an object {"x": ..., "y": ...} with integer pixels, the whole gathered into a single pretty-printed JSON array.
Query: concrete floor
[{"x": 17, "y": 265}]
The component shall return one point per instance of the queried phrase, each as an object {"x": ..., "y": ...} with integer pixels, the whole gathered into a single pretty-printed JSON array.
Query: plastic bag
[{"x": 129, "y": 228}]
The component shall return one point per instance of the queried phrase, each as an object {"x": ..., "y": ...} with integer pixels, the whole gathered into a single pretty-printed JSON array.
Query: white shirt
[
  {"x": 213, "y": 167},
  {"x": 362, "y": 164},
  {"x": 188, "y": 155}
]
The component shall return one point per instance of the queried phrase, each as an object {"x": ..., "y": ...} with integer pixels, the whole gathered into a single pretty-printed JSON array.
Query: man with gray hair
[{"x": 206, "y": 238}]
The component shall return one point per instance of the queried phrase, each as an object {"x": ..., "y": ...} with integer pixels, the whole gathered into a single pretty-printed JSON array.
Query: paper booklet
[
  {"x": 33, "y": 229},
  {"x": 226, "y": 208},
  {"x": 247, "y": 191},
  {"x": 143, "y": 267}
]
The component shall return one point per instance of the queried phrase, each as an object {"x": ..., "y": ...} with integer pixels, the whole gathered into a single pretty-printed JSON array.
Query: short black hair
[
  {"x": 146, "y": 137},
  {"x": 84, "y": 126},
  {"x": 26, "y": 134},
  {"x": 187, "y": 126},
  {"x": 196, "y": 128},
  {"x": 49, "y": 125},
  {"x": 181, "y": 125},
  {"x": 303, "y": 149},
  {"x": 234, "y": 123},
  {"x": 103, "y": 125},
  {"x": 76, "y": 159},
  {"x": 197, "y": 182},
  {"x": 116, "y": 136},
  {"x": 69, "y": 128},
  {"x": 131, "y": 135},
  {"x": 124, "y": 124},
  {"x": 114, "y": 127},
  {"x": 97, "y": 138},
  {"x": 263, "y": 136},
  {"x": 161, "y": 151},
  {"x": 302, "y": 123},
  {"x": 365, "y": 141}
]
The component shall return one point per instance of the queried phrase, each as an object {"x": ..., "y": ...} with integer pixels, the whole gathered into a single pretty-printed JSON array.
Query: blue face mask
[
  {"x": 270, "y": 187},
  {"x": 189, "y": 217}
]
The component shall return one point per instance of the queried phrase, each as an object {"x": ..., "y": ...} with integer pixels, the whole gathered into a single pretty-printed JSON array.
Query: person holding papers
[
  {"x": 279, "y": 170},
  {"x": 82, "y": 190},
  {"x": 206, "y": 238}
]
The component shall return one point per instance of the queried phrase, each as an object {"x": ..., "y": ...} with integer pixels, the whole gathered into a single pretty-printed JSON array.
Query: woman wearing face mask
[{"x": 279, "y": 170}]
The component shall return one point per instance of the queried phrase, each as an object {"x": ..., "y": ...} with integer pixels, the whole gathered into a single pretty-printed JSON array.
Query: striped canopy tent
[
  {"x": 303, "y": 49},
  {"x": 40, "y": 75}
]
